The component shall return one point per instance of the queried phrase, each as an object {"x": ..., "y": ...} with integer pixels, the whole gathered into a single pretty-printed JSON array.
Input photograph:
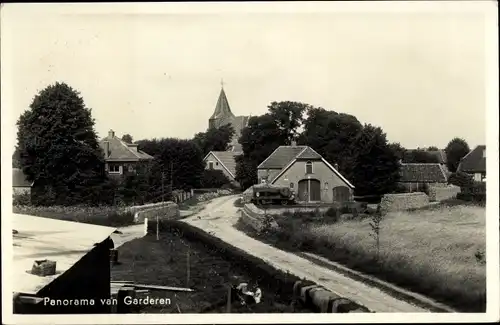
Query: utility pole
[{"x": 171, "y": 178}]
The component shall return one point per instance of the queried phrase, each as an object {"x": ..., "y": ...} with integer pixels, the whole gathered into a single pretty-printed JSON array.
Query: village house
[
  {"x": 414, "y": 177},
  {"x": 20, "y": 184},
  {"x": 121, "y": 158},
  {"x": 474, "y": 163},
  {"x": 223, "y": 161},
  {"x": 307, "y": 173}
]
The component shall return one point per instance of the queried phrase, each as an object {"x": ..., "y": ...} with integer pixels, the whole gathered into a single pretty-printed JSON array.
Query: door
[
  {"x": 302, "y": 190},
  {"x": 309, "y": 190},
  {"x": 315, "y": 190},
  {"x": 341, "y": 194}
]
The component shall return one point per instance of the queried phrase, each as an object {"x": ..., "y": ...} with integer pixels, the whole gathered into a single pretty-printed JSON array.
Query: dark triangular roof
[
  {"x": 309, "y": 153},
  {"x": 281, "y": 157},
  {"x": 222, "y": 109},
  {"x": 474, "y": 161},
  {"x": 424, "y": 173}
]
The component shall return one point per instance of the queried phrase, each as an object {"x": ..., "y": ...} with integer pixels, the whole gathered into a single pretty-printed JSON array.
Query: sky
[{"x": 419, "y": 75}]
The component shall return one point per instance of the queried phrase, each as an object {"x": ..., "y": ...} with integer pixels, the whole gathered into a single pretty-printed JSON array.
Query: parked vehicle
[{"x": 267, "y": 194}]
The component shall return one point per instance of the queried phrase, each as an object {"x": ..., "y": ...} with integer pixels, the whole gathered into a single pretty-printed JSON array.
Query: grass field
[
  {"x": 436, "y": 252},
  {"x": 164, "y": 262}
]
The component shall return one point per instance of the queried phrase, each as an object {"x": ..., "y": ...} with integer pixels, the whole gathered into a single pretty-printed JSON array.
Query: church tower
[{"x": 222, "y": 114}]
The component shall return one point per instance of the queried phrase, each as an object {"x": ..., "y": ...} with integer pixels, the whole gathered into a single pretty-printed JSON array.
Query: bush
[
  {"x": 21, "y": 199},
  {"x": 474, "y": 192},
  {"x": 460, "y": 179},
  {"x": 214, "y": 178}
]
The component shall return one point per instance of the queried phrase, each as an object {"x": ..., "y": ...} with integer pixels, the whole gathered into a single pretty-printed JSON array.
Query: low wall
[
  {"x": 440, "y": 193},
  {"x": 403, "y": 201},
  {"x": 305, "y": 291},
  {"x": 166, "y": 210},
  {"x": 256, "y": 218}
]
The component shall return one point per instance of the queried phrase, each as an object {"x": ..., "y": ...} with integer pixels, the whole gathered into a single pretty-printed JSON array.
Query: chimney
[
  {"x": 111, "y": 134},
  {"x": 106, "y": 149}
]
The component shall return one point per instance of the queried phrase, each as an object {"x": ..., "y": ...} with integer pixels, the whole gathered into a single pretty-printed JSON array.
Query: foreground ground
[
  {"x": 164, "y": 262},
  {"x": 436, "y": 252},
  {"x": 219, "y": 218}
]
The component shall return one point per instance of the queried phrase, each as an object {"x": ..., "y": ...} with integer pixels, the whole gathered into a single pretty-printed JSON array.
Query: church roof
[{"x": 222, "y": 109}]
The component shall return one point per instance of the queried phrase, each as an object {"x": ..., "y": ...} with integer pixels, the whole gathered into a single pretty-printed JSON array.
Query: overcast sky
[{"x": 419, "y": 75}]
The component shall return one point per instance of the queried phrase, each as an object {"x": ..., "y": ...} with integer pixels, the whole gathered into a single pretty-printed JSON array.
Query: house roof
[
  {"x": 122, "y": 151},
  {"x": 285, "y": 156},
  {"x": 64, "y": 242},
  {"x": 474, "y": 161},
  {"x": 281, "y": 157},
  {"x": 19, "y": 178},
  {"x": 428, "y": 173},
  {"x": 226, "y": 159}
]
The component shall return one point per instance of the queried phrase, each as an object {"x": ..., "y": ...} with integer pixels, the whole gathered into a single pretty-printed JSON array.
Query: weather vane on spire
[{"x": 222, "y": 83}]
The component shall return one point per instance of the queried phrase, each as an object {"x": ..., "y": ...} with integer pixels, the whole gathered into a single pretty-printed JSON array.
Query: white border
[{"x": 488, "y": 8}]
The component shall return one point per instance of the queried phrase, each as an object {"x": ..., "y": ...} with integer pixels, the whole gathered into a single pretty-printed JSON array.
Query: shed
[{"x": 81, "y": 253}]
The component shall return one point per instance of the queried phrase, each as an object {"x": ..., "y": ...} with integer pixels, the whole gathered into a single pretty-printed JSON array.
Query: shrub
[
  {"x": 214, "y": 178},
  {"x": 474, "y": 192},
  {"x": 21, "y": 199},
  {"x": 460, "y": 179}
]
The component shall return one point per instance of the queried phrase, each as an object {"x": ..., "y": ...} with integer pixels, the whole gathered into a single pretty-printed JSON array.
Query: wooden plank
[{"x": 157, "y": 287}]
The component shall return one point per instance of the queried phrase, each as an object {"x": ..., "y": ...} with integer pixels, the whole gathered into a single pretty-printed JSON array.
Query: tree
[
  {"x": 181, "y": 161},
  {"x": 215, "y": 139},
  {"x": 375, "y": 169},
  {"x": 398, "y": 149},
  {"x": 456, "y": 149},
  {"x": 331, "y": 134},
  {"x": 127, "y": 138},
  {"x": 263, "y": 134},
  {"x": 419, "y": 156},
  {"x": 58, "y": 147},
  {"x": 432, "y": 148}
]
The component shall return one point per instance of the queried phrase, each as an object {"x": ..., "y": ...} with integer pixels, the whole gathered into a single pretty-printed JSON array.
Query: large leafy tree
[
  {"x": 419, "y": 156},
  {"x": 331, "y": 134},
  {"x": 456, "y": 149},
  {"x": 215, "y": 139},
  {"x": 127, "y": 138},
  {"x": 58, "y": 147},
  {"x": 263, "y": 134},
  {"x": 375, "y": 163}
]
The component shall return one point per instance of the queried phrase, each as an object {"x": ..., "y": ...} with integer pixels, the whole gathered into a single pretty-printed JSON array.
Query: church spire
[{"x": 222, "y": 111}]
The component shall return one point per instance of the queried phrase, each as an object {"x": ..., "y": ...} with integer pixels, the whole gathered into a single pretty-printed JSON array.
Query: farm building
[
  {"x": 307, "y": 173},
  {"x": 20, "y": 184},
  {"x": 474, "y": 163},
  {"x": 82, "y": 270},
  {"x": 223, "y": 161},
  {"x": 414, "y": 177}
]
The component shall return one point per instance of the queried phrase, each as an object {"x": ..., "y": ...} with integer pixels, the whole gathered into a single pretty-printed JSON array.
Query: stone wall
[
  {"x": 404, "y": 201},
  {"x": 440, "y": 193},
  {"x": 256, "y": 218},
  {"x": 167, "y": 210}
]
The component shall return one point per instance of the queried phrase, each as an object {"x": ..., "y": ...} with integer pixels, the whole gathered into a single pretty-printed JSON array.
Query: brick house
[
  {"x": 307, "y": 173},
  {"x": 415, "y": 177},
  {"x": 223, "y": 161},
  {"x": 474, "y": 163},
  {"x": 122, "y": 158}
]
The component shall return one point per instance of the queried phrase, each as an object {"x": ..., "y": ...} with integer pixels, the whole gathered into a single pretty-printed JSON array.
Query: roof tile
[
  {"x": 474, "y": 162},
  {"x": 427, "y": 173},
  {"x": 281, "y": 157}
]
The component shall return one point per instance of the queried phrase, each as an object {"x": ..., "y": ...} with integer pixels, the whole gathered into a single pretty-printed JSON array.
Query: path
[
  {"x": 127, "y": 234},
  {"x": 219, "y": 218}
]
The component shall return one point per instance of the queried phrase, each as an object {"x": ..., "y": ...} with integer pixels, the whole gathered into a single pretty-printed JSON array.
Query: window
[
  {"x": 291, "y": 185},
  {"x": 130, "y": 168},
  {"x": 309, "y": 167},
  {"x": 210, "y": 165},
  {"x": 114, "y": 169},
  {"x": 216, "y": 163}
]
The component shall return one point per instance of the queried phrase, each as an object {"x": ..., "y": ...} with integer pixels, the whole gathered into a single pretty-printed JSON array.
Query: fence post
[{"x": 145, "y": 226}]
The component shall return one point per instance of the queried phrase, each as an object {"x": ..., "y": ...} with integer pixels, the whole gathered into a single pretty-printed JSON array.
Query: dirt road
[{"x": 220, "y": 215}]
